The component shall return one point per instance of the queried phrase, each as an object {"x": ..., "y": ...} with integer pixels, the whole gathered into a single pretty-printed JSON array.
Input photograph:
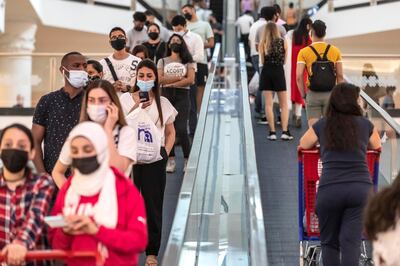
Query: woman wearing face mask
[
  {"x": 176, "y": 74},
  {"x": 101, "y": 105},
  {"x": 150, "y": 178},
  {"x": 155, "y": 46},
  {"x": 101, "y": 207},
  {"x": 25, "y": 196}
]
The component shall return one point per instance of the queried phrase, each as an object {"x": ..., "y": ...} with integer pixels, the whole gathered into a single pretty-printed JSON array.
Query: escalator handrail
[
  {"x": 379, "y": 109},
  {"x": 257, "y": 241},
  {"x": 179, "y": 225}
]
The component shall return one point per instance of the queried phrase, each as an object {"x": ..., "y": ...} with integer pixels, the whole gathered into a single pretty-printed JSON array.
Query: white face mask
[
  {"x": 97, "y": 113},
  {"x": 77, "y": 78}
]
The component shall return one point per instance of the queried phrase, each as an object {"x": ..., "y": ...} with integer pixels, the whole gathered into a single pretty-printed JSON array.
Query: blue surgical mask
[{"x": 145, "y": 85}]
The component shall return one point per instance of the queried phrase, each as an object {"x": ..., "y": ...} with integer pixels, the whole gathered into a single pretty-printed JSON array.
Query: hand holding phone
[{"x": 144, "y": 96}]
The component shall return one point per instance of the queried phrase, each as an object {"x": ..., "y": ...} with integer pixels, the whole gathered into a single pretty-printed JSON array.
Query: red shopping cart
[
  {"x": 40, "y": 255},
  {"x": 309, "y": 172}
]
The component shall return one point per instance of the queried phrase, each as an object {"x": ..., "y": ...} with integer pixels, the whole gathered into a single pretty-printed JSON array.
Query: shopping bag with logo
[{"x": 148, "y": 136}]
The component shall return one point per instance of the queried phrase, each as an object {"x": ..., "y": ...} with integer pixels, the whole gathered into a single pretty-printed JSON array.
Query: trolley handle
[{"x": 59, "y": 254}]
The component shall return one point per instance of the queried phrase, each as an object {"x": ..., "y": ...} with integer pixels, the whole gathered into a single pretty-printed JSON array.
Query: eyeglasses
[{"x": 119, "y": 37}]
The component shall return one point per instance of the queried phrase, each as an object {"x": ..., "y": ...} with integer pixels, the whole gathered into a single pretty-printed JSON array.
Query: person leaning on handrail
[{"x": 344, "y": 136}]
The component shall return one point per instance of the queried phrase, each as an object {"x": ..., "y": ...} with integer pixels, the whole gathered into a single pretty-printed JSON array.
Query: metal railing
[{"x": 177, "y": 236}]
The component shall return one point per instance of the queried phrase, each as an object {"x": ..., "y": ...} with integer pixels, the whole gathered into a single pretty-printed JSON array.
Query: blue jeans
[{"x": 258, "y": 106}]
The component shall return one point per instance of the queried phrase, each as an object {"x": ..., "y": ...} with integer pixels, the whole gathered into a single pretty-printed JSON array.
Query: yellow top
[{"x": 307, "y": 56}]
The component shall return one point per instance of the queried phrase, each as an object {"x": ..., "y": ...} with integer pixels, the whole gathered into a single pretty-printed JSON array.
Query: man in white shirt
[
  {"x": 196, "y": 48},
  {"x": 244, "y": 23},
  {"x": 120, "y": 67},
  {"x": 164, "y": 32},
  {"x": 138, "y": 34},
  {"x": 205, "y": 31}
]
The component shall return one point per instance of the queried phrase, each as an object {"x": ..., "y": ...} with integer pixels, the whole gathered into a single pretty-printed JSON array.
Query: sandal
[{"x": 151, "y": 260}]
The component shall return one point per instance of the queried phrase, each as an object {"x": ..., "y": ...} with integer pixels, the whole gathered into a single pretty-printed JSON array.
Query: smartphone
[
  {"x": 55, "y": 221},
  {"x": 144, "y": 96}
]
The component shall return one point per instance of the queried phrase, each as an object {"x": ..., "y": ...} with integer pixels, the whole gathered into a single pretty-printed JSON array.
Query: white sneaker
[
  {"x": 171, "y": 165},
  {"x": 272, "y": 135},
  {"x": 286, "y": 135},
  {"x": 184, "y": 165}
]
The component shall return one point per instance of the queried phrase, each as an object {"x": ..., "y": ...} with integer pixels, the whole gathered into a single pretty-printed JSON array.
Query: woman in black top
[
  {"x": 272, "y": 50},
  {"x": 344, "y": 136},
  {"x": 155, "y": 47}
]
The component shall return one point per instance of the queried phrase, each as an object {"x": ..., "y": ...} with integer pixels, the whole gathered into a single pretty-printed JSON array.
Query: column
[{"x": 16, "y": 47}]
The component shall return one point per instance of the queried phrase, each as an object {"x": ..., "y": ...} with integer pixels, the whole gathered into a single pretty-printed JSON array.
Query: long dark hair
[
  {"x": 109, "y": 89},
  {"x": 300, "y": 34},
  {"x": 156, "y": 90},
  {"x": 20, "y": 127},
  {"x": 341, "y": 130},
  {"x": 184, "y": 54}
]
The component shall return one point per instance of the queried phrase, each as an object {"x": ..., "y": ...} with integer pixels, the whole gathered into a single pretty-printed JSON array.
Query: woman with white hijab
[{"x": 102, "y": 208}]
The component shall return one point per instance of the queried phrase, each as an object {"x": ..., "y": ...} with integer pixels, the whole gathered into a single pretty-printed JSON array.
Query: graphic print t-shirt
[
  {"x": 174, "y": 68},
  {"x": 125, "y": 69}
]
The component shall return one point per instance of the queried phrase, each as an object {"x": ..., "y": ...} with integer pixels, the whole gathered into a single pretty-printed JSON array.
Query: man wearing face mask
[
  {"x": 120, "y": 67},
  {"x": 58, "y": 112},
  {"x": 138, "y": 34},
  {"x": 205, "y": 31}
]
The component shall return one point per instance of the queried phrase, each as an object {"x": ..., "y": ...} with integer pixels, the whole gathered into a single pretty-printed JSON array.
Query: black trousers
[
  {"x": 179, "y": 98},
  {"x": 339, "y": 208},
  {"x": 150, "y": 180},
  {"x": 193, "y": 110}
]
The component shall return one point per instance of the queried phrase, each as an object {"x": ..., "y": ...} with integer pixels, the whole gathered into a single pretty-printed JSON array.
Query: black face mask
[
  {"x": 93, "y": 78},
  {"x": 176, "y": 47},
  {"x": 153, "y": 35},
  {"x": 14, "y": 160},
  {"x": 138, "y": 28},
  {"x": 86, "y": 165},
  {"x": 188, "y": 16},
  {"x": 118, "y": 44}
]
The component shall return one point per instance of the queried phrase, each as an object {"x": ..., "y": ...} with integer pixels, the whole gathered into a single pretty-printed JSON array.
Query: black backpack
[{"x": 323, "y": 76}]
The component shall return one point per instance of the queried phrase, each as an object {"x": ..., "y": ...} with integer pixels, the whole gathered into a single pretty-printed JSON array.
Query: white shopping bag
[
  {"x": 254, "y": 84},
  {"x": 148, "y": 136}
]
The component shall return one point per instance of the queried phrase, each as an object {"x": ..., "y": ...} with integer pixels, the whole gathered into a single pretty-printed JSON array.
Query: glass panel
[
  {"x": 45, "y": 74},
  {"x": 379, "y": 79}
]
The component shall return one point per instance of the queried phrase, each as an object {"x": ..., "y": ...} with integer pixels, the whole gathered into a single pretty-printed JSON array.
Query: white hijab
[{"x": 102, "y": 181}]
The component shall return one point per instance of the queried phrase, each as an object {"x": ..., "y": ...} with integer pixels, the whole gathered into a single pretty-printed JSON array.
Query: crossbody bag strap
[{"x": 111, "y": 67}]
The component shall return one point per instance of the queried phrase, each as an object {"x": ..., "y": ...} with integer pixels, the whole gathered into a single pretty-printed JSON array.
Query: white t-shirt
[
  {"x": 244, "y": 23},
  {"x": 205, "y": 31},
  {"x": 136, "y": 37},
  {"x": 125, "y": 69},
  {"x": 195, "y": 45},
  {"x": 252, "y": 35},
  {"x": 124, "y": 139},
  {"x": 173, "y": 68},
  {"x": 168, "y": 111},
  {"x": 260, "y": 32}
]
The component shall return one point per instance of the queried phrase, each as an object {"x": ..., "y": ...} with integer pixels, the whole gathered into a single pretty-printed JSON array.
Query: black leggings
[
  {"x": 339, "y": 208},
  {"x": 150, "y": 180},
  {"x": 179, "y": 98}
]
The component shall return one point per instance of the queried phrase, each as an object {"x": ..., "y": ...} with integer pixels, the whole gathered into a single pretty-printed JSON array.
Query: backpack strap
[
  {"x": 111, "y": 67},
  {"x": 316, "y": 53},
  {"x": 325, "y": 57}
]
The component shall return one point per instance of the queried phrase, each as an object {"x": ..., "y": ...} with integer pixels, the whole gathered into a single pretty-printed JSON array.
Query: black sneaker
[
  {"x": 278, "y": 121},
  {"x": 262, "y": 121},
  {"x": 272, "y": 135},
  {"x": 286, "y": 135}
]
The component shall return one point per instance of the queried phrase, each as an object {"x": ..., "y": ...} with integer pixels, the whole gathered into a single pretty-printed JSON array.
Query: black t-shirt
[
  {"x": 58, "y": 114},
  {"x": 156, "y": 51},
  {"x": 345, "y": 166},
  {"x": 217, "y": 36}
]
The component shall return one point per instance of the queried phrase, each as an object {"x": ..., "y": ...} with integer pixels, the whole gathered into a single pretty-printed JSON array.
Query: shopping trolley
[
  {"x": 309, "y": 171},
  {"x": 41, "y": 255}
]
